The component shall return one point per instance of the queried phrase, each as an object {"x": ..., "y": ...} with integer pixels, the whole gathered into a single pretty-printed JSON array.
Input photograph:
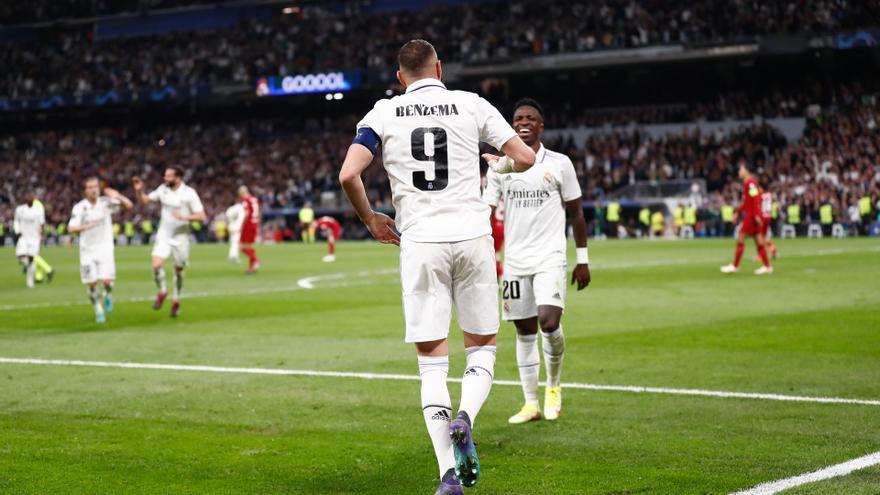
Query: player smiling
[{"x": 534, "y": 280}]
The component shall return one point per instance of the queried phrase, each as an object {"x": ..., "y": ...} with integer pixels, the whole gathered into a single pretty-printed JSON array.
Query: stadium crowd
[
  {"x": 836, "y": 162},
  {"x": 301, "y": 43}
]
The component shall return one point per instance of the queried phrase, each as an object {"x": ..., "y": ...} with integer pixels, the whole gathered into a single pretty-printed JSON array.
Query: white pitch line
[
  {"x": 302, "y": 284},
  {"x": 842, "y": 469},
  {"x": 386, "y": 376}
]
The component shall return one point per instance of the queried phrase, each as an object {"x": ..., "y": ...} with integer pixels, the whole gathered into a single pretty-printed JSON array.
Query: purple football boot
[
  {"x": 449, "y": 485},
  {"x": 467, "y": 464}
]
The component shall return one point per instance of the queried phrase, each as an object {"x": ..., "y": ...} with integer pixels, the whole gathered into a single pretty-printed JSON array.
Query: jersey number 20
[{"x": 439, "y": 158}]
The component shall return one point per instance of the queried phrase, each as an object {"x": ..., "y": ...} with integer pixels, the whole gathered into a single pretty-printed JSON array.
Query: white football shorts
[
  {"x": 95, "y": 266},
  {"x": 176, "y": 247},
  {"x": 434, "y": 276},
  {"x": 27, "y": 247},
  {"x": 522, "y": 294}
]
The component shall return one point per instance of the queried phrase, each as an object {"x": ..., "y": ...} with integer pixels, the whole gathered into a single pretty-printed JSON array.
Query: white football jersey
[
  {"x": 99, "y": 237},
  {"x": 534, "y": 212},
  {"x": 28, "y": 221},
  {"x": 430, "y": 149},
  {"x": 235, "y": 217},
  {"x": 185, "y": 200}
]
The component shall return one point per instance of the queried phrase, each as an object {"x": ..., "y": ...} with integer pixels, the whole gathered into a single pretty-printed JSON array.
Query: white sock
[
  {"x": 477, "y": 381},
  {"x": 31, "y": 273},
  {"x": 529, "y": 362},
  {"x": 95, "y": 298},
  {"x": 178, "y": 284},
  {"x": 554, "y": 351},
  {"x": 437, "y": 407},
  {"x": 159, "y": 277}
]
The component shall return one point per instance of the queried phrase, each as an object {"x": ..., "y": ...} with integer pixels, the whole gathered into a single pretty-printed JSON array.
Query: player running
[
  {"x": 92, "y": 218},
  {"x": 180, "y": 206},
  {"x": 235, "y": 219},
  {"x": 332, "y": 230},
  {"x": 27, "y": 223},
  {"x": 250, "y": 227},
  {"x": 534, "y": 283},
  {"x": 753, "y": 223},
  {"x": 429, "y": 138}
]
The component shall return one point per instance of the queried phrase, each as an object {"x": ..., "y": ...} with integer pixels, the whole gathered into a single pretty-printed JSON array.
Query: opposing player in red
[
  {"x": 753, "y": 223},
  {"x": 250, "y": 228},
  {"x": 332, "y": 229}
]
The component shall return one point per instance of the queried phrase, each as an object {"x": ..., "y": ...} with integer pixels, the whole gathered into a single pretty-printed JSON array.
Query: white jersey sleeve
[
  {"x": 570, "y": 187},
  {"x": 16, "y": 221},
  {"x": 492, "y": 193},
  {"x": 494, "y": 129},
  {"x": 76, "y": 216},
  {"x": 373, "y": 119},
  {"x": 194, "y": 202},
  {"x": 156, "y": 194}
]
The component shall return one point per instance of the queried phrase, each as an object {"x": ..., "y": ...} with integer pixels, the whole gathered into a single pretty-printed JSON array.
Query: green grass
[{"x": 658, "y": 314}]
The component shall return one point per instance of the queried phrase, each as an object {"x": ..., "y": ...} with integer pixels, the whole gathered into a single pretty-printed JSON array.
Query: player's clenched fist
[
  {"x": 137, "y": 183},
  {"x": 383, "y": 229}
]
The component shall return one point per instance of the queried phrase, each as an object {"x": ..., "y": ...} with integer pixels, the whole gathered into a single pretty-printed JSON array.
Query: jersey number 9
[{"x": 439, "y": 158}]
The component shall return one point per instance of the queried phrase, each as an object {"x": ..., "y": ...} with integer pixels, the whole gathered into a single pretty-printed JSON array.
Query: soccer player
[
  {"x": 534, "y": 283},
  {"x": 27, "y": 223},
  {"x": 235, "y": 217},
  {"x": 332, "y": 229},
  {"x": 92, "y": 218},
  {"x": 429, "y": 138},
  {"x": 180, "y": 206},
  {"x": 250, "y": 227},
  {"x": 43, "y": 271},
  {"x": 752, "y": 224},
  {"x": 767, "y": 219}
]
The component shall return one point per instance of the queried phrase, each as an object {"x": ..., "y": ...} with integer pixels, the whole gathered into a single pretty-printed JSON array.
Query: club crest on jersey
[{"x": 419, "y": 110}]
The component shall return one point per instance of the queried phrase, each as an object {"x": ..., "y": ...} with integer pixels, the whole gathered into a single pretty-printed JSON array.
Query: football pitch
[{"x": 245, "y": 407}]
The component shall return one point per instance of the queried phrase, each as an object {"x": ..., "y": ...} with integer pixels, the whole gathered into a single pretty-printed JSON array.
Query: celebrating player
[
  {"x": 180, "y": 206},
  {"x": 250, "y": 227},
  {"x": 332, "y": 229},
  {"x": 534, "y": 282},
  {"x": 429, "y": 138},
  {"x": 27, "y": 223},
  {"x": 753, "y": 223},
  {"x": 235, "y": 219},
  {"x": 92, "y": 219}
]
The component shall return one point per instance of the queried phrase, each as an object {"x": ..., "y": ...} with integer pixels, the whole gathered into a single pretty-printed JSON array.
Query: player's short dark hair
[
  {"x": 89, "y": 179},
  {"x": 415, "y": 56},
  {"x": 177, "y": 170},
  {"x": 529, "y": 102}
]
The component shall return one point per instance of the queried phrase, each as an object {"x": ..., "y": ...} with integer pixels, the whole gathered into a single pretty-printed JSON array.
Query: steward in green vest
[
  {"x": 128, "y": 229},
  {"x": 690, "y": 216},
  {"x": 2, "y": 234},
  {"x": 612, "y": 218},
  {"x": 865, "y": 208},
  {"x": 727, "y": 213},
  {"x": 146, "y": 230},
  {"x": 645, "y": 217},
  {"x": 826, "y": 218}
]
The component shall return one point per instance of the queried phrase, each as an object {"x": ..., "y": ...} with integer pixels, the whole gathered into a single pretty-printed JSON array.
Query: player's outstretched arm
[
  {"x": 581, "y": 272},
  {"x": 356, "y": 161},
  {"x": 518, "y": 157},
  {"x": 114, "y": 194},
  {"x": 139, "y": 194}
]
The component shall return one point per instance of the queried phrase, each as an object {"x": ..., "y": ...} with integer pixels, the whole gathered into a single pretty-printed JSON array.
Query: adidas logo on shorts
[
  {"x": 471, "y": 371},
  {"x": 441, "y": 415}
]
